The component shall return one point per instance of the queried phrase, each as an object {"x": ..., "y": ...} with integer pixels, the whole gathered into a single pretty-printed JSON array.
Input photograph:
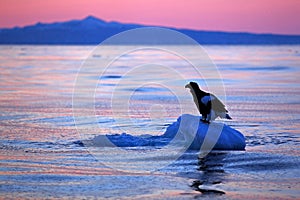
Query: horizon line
[{"x": 148, "y": 25}]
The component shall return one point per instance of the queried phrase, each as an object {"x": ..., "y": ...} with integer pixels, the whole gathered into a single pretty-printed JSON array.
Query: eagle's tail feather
[{"x": 228, "y": 117}]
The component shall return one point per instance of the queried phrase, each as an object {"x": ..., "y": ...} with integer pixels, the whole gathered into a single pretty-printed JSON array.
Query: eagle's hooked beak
[{"x": 187, "y": 86}]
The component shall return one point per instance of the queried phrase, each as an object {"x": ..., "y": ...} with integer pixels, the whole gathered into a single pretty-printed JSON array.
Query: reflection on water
[
  {"x": 42, "y": 155},
  {"x": 212, "y": 174}
]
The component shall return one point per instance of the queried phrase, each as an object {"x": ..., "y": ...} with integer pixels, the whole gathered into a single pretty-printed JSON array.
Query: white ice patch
[{"x": 229, "y": 139}]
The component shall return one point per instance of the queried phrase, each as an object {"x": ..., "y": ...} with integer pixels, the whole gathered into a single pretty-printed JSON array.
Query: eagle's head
[{"x": 192, "y": 86}]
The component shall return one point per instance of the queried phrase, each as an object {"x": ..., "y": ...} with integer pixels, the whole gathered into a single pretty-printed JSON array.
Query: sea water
[{"x": 45, "y": 154}]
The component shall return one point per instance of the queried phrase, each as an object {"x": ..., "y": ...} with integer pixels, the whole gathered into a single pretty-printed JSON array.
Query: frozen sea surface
[{"x": 44, "y": 155}]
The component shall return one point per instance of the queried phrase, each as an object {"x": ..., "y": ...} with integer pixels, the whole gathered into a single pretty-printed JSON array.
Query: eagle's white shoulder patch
[{"x": 206, "y": 99}]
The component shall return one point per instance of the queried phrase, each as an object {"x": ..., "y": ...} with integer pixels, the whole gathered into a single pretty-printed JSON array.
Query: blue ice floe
[{"x": 187, "y": 128}]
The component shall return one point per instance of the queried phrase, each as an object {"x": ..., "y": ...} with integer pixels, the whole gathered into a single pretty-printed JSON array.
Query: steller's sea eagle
[{"x": 209, "y": 106}]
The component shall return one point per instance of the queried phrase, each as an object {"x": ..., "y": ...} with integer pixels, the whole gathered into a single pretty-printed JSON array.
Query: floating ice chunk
[
  {"x": 220, "y": 135},
  {"x": 188, "y": 129}
]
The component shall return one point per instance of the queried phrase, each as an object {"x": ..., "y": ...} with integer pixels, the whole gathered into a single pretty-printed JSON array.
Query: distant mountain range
[{"x": 92, "y": 30}]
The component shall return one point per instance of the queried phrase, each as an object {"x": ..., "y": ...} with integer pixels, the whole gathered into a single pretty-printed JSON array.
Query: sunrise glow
[{"x": 257, "y": 16}]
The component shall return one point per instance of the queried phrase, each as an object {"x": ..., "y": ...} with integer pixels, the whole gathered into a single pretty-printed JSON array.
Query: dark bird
[{"x": 209, "y": 106}]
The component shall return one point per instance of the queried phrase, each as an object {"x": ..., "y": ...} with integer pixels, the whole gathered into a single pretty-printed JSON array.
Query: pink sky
[{"x": 258, "y": 16}]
